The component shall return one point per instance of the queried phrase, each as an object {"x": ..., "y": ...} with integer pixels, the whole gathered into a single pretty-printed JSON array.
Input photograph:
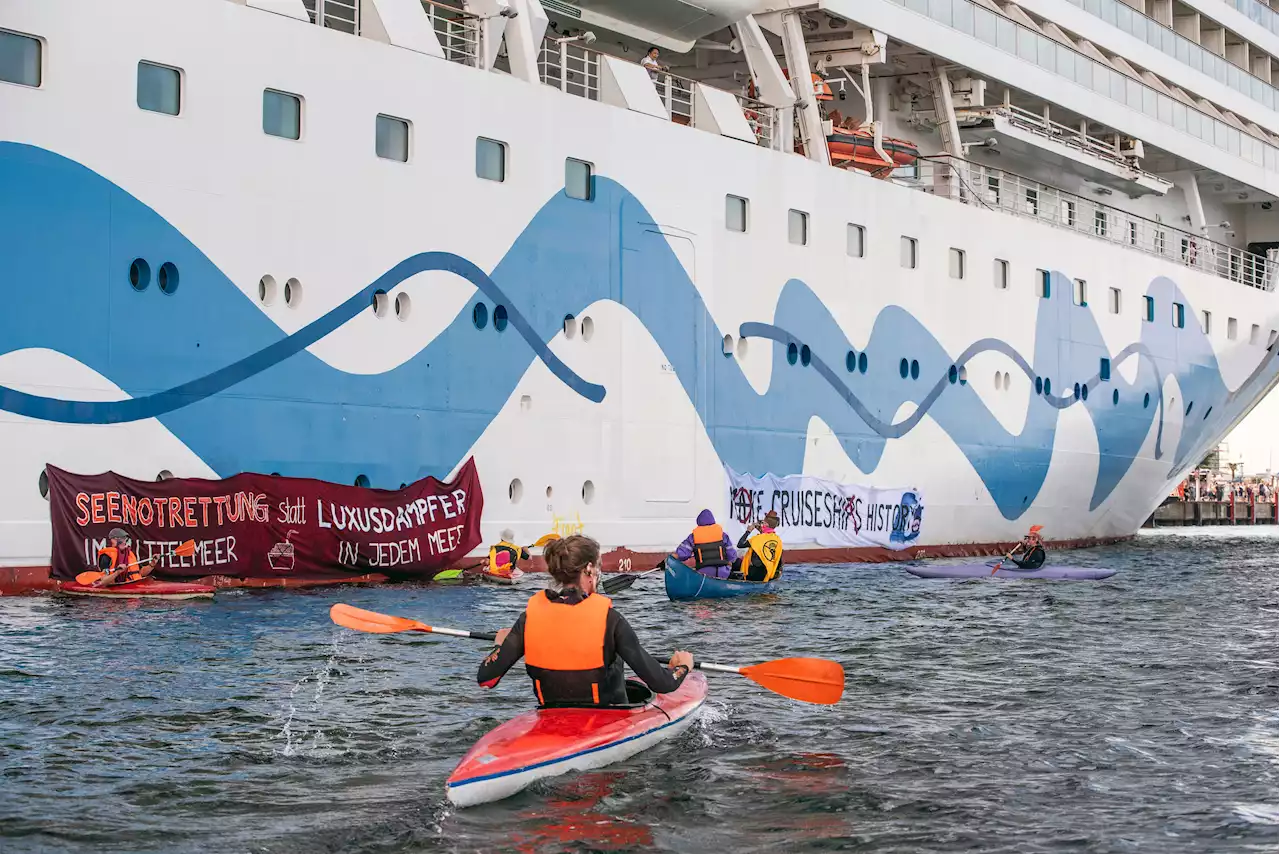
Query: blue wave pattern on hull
[{"x": 242, "y": 395}]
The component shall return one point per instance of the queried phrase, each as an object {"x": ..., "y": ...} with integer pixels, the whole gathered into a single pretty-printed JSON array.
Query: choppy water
[{"x": 1135, "y": 714}]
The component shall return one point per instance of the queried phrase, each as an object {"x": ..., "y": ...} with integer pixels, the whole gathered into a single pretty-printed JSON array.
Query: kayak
[
  {"x": 684, "y": 583},
  {"x": 983, "y": 570},
  {"x": 494, "y": 578},
  {"x": 550, "y": 742},
  {"x": 148, "y": 588}
]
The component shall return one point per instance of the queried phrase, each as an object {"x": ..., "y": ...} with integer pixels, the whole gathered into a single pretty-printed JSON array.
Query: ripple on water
[{"x": 1133, "y": 715}]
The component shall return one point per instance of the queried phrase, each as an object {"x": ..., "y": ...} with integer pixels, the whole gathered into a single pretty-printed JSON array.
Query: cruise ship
[{"x": 1015, "y": 256}]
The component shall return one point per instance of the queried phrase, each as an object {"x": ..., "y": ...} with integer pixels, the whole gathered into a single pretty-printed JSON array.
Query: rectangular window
[
  {"x": 907, "y": 252},
  {"x": 1232, "y": 328},
  {"x": 1033, "y": 202},
  {"x": 1158, "y": 243},
  {"x": 735, "y": 213},
  {"x": 391, "y": 138},
  {"x": 1100, "y": 223},
  {"x": 1179, "y": 315},
  {"x": 577, "y": 179},
  {"x": 1104, "y": 370},
  {"x": 1000, "y": 271},
  {"x": 855, "y": 241},
  {"x": 1080, "y": 293},
  {"x": 1115, "y": 300},
  {"x": 956, "y": 263},
  {"x": 159, "y": 88},
  {"x": 798, "y": 227},
  {"x": 491, "y": 159},
  {"x": 281, "y": 114},
  {"x": 1149, "y": 309},
  {"x": 993, "y": 190},
  {"x": 1069, "y": 212},
  {"x": 1253, "y": 333},
  {"x": 1042, "y": 283},
  {"x": 20, "y": 59},
  {"x": 1206, "y": 322},
  {"x": 1133, "y": 233}
]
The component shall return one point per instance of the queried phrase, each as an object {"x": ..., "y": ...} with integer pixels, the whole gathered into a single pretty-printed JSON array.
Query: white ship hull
[{"x": 626, "y": 424}]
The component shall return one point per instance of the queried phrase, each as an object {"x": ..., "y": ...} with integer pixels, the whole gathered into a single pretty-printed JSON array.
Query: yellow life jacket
[
  {"x": 767, "y": 547},
  {"x": 503, "y": 547}
]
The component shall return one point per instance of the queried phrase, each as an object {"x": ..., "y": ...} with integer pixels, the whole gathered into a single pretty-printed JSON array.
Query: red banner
[{"x": 259, "y": 526}]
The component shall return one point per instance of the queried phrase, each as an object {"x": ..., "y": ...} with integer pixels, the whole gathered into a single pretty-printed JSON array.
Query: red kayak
[
  {"x": 549, "y": 742},
  {"x": 149, "y": 588}
]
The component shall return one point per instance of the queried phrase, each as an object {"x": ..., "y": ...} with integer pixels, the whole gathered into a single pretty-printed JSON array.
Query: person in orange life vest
[
  {"x": 573, "y": 641},
  {"x": 709, "y": 546},
  {"x": 118, "y": 560},
  {"x": 506, "y": 555},
  {"x": 762, "y": 552}
]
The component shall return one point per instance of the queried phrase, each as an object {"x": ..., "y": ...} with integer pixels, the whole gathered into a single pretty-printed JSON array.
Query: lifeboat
[{"x": 856, "y": 149}]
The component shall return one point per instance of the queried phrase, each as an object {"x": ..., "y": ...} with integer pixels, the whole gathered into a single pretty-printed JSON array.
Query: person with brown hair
[{"x": 573, "y": 641}]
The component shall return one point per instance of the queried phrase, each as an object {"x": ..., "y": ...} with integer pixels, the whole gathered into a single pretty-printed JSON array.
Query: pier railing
[{"x": 995, "y": 189}]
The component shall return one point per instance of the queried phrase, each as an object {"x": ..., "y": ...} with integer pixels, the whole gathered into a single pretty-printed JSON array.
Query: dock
[{"x": 1190, "y": 513}]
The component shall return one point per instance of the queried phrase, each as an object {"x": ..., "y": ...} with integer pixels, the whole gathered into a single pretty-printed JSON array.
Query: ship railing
[
  {"x": 762, "y": 119},
  {"x": 341, "y": 15},
  {"x": 995, "y": 189},
  {"x": 676, "y": 93},
  {"x": 570, "y": 67},
  {"x": 457, "y": 30}
]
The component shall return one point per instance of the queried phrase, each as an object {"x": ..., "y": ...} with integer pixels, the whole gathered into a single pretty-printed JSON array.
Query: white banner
[{"x": 813, "y": 510}]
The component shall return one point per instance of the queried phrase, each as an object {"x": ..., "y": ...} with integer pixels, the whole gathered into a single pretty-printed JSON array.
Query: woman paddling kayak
[{"x": 573, "y": 641}]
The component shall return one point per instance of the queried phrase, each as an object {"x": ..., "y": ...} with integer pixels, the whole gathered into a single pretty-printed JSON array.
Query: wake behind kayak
[{"x": 983, "y": 570}]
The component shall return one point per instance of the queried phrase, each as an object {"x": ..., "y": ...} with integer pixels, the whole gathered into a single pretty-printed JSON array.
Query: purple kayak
[{"x": 983, "y": 570}]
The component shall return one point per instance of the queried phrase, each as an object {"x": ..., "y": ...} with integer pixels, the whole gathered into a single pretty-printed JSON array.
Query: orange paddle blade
[
  {"x": 187, "y": 549},
  {"x": 809, "y": 680},
  {"x": 89, "y": 577},
  {"x": 371, "y": 621}
]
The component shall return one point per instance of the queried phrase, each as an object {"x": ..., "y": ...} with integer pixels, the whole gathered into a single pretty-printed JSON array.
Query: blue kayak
[
  {"x": 983, "y": 570},
  {"x": 684, "y": 583}
]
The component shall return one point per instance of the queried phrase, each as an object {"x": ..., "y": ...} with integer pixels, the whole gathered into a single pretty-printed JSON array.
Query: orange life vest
[
  {"x": 708, "y": 546},
  {"x": 110, "y": 559},
  {"x": 564, "y": 651}
]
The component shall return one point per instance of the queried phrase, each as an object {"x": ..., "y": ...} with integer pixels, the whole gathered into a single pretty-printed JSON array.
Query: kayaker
[
  {"x": 709, "y": 546},
  {"x": 1029, "y": 554},
  {"x": 119, "y": 562},
  {"x": 506, "y": 555},
  {"x": 762, "y": 555},
  {"x": 573, "y": 641}
]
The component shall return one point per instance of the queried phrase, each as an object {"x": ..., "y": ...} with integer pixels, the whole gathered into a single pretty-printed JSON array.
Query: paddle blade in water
[
  {"x": 89, "y": 577},
  {"x": 448, "y": 575},
  {"x": 616, "y": 584},
  {"x": 809, "y": 680},
  {"x": 371, "y": 621}
]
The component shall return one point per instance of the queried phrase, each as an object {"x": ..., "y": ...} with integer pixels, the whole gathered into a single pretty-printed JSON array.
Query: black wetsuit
[
  {"x": 620, "y": 645},
  {"x": 1033, "y": 559}
]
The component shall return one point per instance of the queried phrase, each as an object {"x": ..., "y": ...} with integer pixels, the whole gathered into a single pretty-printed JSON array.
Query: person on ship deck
[
  {"x": 709, "y": 546},
  {"x": 573, "y": 641},
  {"x": 762, "y": 553}
]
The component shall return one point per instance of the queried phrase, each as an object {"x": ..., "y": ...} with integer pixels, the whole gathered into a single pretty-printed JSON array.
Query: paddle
[
  {"x": 617, "y": 583},
  {"x": 995, "y": 567},
  {"x": 809, "y": 680},
  {"x": 187, "y": 549},
  {"x": 536, "y": 544}
]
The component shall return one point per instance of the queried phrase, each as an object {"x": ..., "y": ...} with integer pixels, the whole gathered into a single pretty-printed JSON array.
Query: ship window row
[
  {"x": 21, "y": 59},
  {"x": 1017, "y": 40}
]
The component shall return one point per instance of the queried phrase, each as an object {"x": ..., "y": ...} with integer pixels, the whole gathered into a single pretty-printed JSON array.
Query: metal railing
[
  {"x": 457, "y": 30},
  {"x": 676, "y": 93},
  {"x": 762, "y": 119},
  {"x": 341, "y": 15},
  {"x": 994, "y": 189},
  {"x": 570, "y": 67}
]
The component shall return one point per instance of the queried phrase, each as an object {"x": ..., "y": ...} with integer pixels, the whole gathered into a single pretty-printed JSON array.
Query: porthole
[
  {"x": 851, "y": 361},
  {"x": 1206, "y": 413},
  {"x": 726, "y": 346},
  {"x": 550, "y": 491},
  {"x": 1189, "y": 406},
  {"x": 480, "y": 315},
  {"x": 1046, "y": 386},
  {"x": 793, "y": 353},
  {"x": 588, "y": 492},
  {"x": 964, "y": 375},
  {"x": 43, "y": 484},
  {"x": 1006, "y": 380},
  {"x": 1039, "y": 386},
  {"x": 267, "y": 290},
  {"x": 1146, "y": 400},
  {"x": 403, "y": 305},
  {"x": 1084, "y": 392},
  {"x": 997, "y": 380},
  {"x": 293, "y": 293},
  {"x": 515, "y": 491},
  {"x": 1075, "y": 391},
  {"x": 404, "y": 485},
  {"x": 275, "y": 474},
  {"x": 500, "y": 317},
  {"x": 526, "y": 402},
  {"x": 806, "y": 355},
  {"x": 164, "y": 474},
  {"x": 1115, "y": 397},
  {"x": 362, "y": 481},
  {"x": 742, "y": 349},
  {"x": 915, "y": 370},
  {"x": 570, "y": 327},
  {"x": 904, "y": 368},
  {"x": 380, "y": 302},
  {"x": 139, "y": 274},
  {"x": 953, "y": 374},
  {"x": 588, "y": 328},
  {"x": 167, "y": 278},
  {"x": 862, "y": 363}
]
